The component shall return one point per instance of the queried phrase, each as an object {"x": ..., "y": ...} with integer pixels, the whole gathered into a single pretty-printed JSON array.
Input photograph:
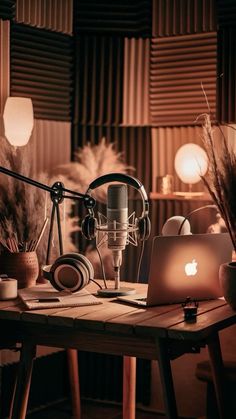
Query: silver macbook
[{"x": 184, "y": 266}]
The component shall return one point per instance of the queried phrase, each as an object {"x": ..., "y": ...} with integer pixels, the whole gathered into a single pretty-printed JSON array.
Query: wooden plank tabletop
[
  {"x": 115, "y": 317},
  {"x": 174, "y": 319}
]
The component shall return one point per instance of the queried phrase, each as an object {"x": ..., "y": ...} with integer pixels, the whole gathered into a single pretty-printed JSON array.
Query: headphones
[
  {"x": 70, "y": 272},
  {"x": 73, "y": 271},
  {"x": 142, "y": 223}
]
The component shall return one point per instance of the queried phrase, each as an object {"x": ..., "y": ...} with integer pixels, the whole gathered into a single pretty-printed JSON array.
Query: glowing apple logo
[{"x": 191, "y": 268}]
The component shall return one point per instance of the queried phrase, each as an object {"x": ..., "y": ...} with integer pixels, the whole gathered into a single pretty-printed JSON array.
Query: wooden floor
[{"x": 90, "y": 410}]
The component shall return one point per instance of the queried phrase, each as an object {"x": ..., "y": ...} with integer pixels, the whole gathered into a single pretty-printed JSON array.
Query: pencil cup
[{"x": 22, "y": 266}]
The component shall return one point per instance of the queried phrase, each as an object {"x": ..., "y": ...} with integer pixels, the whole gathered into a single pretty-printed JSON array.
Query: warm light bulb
[
  {"x": 191, "y": 163},
  {"x": 18, "y": 120}
]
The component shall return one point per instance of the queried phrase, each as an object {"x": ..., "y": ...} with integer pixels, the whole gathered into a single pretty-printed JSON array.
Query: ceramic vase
[
  {"x": 227, "y": 277},
  {"x": 23, "y": 266}
]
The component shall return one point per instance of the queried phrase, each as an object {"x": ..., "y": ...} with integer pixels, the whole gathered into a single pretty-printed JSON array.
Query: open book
[{"x": 45, "y": 296}]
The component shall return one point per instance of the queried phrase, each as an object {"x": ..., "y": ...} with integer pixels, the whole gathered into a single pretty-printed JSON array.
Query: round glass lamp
[
  {"x": 191, "y": 163},
  {"x": 18, "y": 120}
]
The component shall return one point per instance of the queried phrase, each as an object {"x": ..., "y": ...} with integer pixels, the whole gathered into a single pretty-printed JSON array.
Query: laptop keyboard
[{"x": 141, "y": 299}]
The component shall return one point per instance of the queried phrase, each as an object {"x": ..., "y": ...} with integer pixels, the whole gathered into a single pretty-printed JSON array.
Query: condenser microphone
[
  {"x": 117, "y": 229},
  {"x": 117, "y": 233},
  {"x": 117, "y": 225},
  {"x": 117, "y": 221}
]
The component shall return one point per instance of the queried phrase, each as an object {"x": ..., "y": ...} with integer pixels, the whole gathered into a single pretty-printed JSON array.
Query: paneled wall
[
  {"x": 4, "y": 61},
  {"x": 36, "y": 60},
  {"x": 136, "y": 82},
  {"x": 143, "y": 71},
  {"x": 178, "y": 64},
  {"x": 44, "y": 74},
  {"x": 120, "y": 70},
  {"x": 36, "y": 47},
  {"x": 182, "y": 17},
  {"x": 133, "y": 73},
  {"x": 130, "y": 71},
  {"x": 112, "y": 71},
  {"x": 55, "y": 15}
]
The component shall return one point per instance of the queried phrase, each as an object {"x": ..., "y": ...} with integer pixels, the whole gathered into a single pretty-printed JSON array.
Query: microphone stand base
[{"x": 115, "y": 292}]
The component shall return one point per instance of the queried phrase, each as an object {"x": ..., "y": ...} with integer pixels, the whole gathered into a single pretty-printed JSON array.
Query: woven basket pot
[
  {"x": 227, "y": 277},
  {"x": 22, "y": 266}
]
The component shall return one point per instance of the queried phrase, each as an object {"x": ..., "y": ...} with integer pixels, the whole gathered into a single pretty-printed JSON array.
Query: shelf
[{"x": 176, "y": 197}]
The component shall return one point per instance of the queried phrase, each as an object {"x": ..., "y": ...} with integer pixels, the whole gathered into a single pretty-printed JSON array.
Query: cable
[
  {"x": 95, "y": 282},
  {"x": 102, "y": 267},
  {"x": 140, "y": 260},
  {"x": 192, "y": 212}
]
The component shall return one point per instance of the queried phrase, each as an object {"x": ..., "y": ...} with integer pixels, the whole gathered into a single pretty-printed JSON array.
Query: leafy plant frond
[
  {"x": 91, "y": 162},
  {"x": 220, "y": 180}
]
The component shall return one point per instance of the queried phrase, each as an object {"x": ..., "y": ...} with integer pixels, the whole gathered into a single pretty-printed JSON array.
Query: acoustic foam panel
[
  {"x": 180, "y": 66},
  {"x": 4, "y": 62},
  {"x": 182, "y": 17},
  {"x": 226, "y": 12},
  {"x": 56, "y": 15},
  {"x": 226, "y": 74},
  {"x": 42, "y": 68},
  {"x": 136, "y": 82},
  {"x": 131, "y": 18},
  {"x": 7, "y": 9},
  {"x": 99, "y": 80}
]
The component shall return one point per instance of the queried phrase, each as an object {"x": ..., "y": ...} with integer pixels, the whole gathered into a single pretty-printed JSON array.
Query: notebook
[
  {"x": 184, "y": 266},
  {"x": 45, "y": 296}
]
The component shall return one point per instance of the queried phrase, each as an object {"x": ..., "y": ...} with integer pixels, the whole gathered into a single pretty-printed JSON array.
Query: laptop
[{"x": 184, "y": 266}]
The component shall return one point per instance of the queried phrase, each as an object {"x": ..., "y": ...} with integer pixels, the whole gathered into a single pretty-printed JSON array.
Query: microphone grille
[{"x": 117, "y": 196}]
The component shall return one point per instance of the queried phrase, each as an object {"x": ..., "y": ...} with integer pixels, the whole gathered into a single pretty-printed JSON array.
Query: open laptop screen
[{"x": 187, "y": 265}]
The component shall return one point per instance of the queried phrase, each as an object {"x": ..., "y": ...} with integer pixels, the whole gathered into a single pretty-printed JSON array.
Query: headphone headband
[
  {"x": 123, "y": 178},
  {"x": 89, "y": 224},
  {"x": 111, "y": 177}
]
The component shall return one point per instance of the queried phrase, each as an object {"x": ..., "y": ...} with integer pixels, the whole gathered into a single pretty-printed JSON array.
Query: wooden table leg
[
  {"x": 166, "y": 379},
  {"x": 22, "y": 386},
  {"x": 218, "y": 375},
  {"x": 72, "y": 358},
  {"x": 129, "y": 387}
]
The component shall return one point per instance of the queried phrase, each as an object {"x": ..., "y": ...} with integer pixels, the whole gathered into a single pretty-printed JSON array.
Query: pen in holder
[
  {"x": 23, "y": 266},
  {"x": 190, "y": 309},
  {"x": 19, "y": 259}
]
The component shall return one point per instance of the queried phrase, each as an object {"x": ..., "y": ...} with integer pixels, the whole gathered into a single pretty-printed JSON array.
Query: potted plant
[{"x": 220, "y": 182}]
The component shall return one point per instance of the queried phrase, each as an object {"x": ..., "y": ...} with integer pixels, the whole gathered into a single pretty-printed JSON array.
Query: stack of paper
[{"x": 45, "y": 296}]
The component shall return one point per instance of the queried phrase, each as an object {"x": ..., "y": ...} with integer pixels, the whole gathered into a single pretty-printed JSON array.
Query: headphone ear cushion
[
  {"x": 80, "y": 258},
  {"x": 89, "y": 227},
  {"x": 71, "y": 272},
  {"x": 144, "y": 226}
]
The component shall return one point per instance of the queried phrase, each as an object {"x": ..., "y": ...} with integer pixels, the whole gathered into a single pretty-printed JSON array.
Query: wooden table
[{"x": 115, "y": 328}]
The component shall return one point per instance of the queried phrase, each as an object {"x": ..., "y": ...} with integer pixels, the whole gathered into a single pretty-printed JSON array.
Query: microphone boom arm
[
  {"x": 56, "y": 190},
  {"x": 57, "y": 194}
]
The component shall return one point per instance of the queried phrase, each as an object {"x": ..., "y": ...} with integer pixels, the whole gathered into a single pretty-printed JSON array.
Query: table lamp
[
  {"x": 190, "y": 163},
  {"x": 18, "y": 118}
]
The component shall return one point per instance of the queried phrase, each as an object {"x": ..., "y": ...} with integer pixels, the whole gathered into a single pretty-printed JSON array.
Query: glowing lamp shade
[
  {"x": 191, "y": 163},
  {"x": 18, "y": 120}
]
